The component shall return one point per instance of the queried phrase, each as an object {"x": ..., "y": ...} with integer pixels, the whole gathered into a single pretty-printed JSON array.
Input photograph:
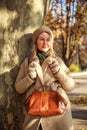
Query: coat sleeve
[
  {"x": 63, "y": 76},
  {"x": 23, "y": 81}
]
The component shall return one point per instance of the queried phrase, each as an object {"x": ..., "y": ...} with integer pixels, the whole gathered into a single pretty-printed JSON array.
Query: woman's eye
[
  {"x": 41, "y": 39},
  {"x": 48, "y": 39}
]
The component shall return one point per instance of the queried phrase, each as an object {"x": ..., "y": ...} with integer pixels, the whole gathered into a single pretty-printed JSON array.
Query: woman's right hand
[{"x": 32, "y": 71}]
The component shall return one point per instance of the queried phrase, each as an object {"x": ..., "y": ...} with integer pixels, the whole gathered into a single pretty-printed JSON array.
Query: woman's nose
[{"x": 45, "y": 42}]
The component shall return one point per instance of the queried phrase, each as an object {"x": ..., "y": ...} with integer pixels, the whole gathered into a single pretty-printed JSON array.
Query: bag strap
[
  {"x": 39, "y": 69},
  {"x": 39, "y": 72}
]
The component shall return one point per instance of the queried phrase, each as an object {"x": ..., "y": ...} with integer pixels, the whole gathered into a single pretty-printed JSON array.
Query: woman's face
[{"x": 44, "y": 42}]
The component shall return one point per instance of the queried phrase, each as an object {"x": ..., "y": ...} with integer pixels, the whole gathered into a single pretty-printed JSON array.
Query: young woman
[{"x": 55, "y": 73}]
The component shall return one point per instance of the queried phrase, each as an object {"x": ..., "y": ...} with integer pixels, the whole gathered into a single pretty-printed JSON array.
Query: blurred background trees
[{"x": 68, "y": 21}]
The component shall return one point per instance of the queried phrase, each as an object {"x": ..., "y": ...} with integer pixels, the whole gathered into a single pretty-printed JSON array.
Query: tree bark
[{"x": 18, "y": 19}]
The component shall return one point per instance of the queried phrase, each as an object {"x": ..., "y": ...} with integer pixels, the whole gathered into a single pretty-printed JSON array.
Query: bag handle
[
  {"x": 40, "y": 71},
  {"x": 38, "y": 67}
]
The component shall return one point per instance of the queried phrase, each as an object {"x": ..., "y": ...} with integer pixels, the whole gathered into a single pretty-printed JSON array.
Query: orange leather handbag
[{"x": 45, "y": 103}]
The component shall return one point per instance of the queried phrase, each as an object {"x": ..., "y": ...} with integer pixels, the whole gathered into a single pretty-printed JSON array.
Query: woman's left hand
[{"x": 54, "y": 65}]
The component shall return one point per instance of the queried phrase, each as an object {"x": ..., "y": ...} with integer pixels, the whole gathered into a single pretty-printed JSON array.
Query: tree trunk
[{"x": 18, "y": 19}]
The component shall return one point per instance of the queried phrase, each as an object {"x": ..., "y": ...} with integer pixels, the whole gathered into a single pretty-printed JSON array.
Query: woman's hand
[
  {"x": 54, "y": 65},
  {"x": 32, "y": 71}
]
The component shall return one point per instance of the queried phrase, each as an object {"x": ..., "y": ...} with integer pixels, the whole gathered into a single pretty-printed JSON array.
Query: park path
[
  {"x": 79, "y": 118},
  {"x": 79, "y": 113}
]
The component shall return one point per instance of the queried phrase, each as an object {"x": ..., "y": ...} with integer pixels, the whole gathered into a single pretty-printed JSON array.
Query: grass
[{"x": 79, "y": 101}]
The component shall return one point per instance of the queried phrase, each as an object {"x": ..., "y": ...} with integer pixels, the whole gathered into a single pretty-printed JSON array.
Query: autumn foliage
[{"x": 68, "y": 21}]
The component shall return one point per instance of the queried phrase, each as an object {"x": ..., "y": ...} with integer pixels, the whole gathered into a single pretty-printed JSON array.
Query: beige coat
[{"x": 62, "y": 82}]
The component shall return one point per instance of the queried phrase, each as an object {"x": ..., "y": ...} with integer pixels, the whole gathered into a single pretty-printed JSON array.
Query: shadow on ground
[{"x": 79, "y": 114}]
